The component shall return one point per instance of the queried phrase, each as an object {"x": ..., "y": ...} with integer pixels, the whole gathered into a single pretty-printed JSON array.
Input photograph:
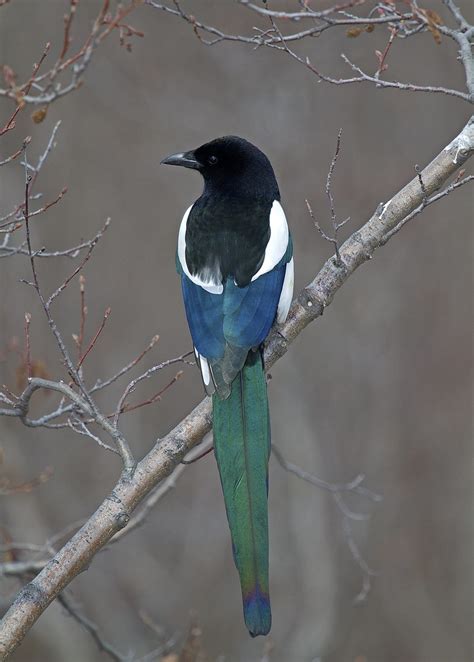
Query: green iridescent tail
[{"x": 242, "y": 449}]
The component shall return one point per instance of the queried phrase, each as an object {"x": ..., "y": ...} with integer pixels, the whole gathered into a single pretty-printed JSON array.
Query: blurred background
[{"x": 381, "y": 384}]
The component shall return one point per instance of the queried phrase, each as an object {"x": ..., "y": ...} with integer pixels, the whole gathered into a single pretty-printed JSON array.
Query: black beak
[{"x": 185, "y": 159}]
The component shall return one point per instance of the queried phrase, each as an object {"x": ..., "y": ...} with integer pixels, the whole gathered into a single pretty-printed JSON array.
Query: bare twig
[
  {"x": 92, "y": 628},
  {"x": 41, "y": 210},
  {"x": 20, "y": 94},
  {"x": 27, "y": 345},
  {"x": 401, "y": 25},
  {"x": 91, "y": 407},
  {"x": 198, "y": 457},
  {"x": 7, "y": 487},
  {"x": 68, "y": 19},
  {"x": 99, "y": 385},
  {"x": 336, "y": 225},
  {"x": 83, "y": 314},
  {"x": 426, "y": 202},
  {"x": 122, "y": 407},
  {"x": 19, "y": 151},
  {"x": 46, "y": 88},
  {"x": 66, "y": 409},
  {"x": 79, "y": 267},
  {"x": 337, "y": 490},
  {"x": 382, "y": 56},
  {"x": 81, "y": 428},
  {"x": 92, "y": 343},
  {"x": 15, "y": 219},
  {"x": 353, "y": 486}
]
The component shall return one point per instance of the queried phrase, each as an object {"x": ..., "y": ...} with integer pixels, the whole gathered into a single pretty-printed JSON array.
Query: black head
[{"x": 229, "y": 162}]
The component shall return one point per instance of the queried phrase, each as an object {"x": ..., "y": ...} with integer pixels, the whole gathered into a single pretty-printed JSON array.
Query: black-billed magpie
[{"x": 235, "y": 259}]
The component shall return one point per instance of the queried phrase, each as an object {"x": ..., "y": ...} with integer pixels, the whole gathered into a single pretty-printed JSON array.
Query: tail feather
[{"x": 242, "y": 448}]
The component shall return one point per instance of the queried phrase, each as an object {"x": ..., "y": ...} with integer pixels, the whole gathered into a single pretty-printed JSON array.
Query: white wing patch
[
  {"x": 208, "y": 285},
  {"x": 278, "y": 242},
  {"x": 286, "y": 295},
  {"x": 206, "y": 374}
]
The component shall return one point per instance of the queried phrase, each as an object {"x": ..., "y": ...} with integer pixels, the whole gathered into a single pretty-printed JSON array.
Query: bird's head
[{"x": 224, "y": 161}]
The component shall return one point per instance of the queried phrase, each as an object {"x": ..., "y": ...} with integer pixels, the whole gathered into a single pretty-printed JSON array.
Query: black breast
[{"x": 226, "y": 236}]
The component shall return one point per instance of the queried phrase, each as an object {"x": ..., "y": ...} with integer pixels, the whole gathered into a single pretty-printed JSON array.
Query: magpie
[{"x": 235, "y": 259}]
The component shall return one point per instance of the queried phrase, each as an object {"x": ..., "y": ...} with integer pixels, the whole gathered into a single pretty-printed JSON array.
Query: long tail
[{"x": 242, "y": 448}]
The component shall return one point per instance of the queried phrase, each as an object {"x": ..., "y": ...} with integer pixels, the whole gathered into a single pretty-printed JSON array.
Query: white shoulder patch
[
  {"x": 208, "y": 285},
  {"x": 278, "y": 242},
  {"x": 286, "y": 295}
]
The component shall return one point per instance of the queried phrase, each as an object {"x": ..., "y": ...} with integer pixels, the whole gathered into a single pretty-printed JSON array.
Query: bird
[{"x": 235, "y": 260}]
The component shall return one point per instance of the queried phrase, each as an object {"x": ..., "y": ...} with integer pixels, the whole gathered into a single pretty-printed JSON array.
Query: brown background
[{"x": 381, "y": 384}]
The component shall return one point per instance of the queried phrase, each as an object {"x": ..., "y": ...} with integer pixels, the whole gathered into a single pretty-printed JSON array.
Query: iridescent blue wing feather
[{"x": 240, "y": 316}]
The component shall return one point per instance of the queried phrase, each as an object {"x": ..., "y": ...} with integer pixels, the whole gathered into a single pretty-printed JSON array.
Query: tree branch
[
  {"x": 401, "y": 25},
  {"x": 49, "y": 86}
]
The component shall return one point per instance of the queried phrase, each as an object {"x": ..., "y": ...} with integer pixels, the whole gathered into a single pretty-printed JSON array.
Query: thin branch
[
  {"x": 456, "y": 12},
  {"x": 382, "y": 56},
  {"x": 100, "y": 385},
  {"x": 49, "y": 147},
  {"x": 27, "y": 345},
  {"x": 355, "y": 485},
  {"x": 78, "y": 426},
  {"x": 123, "y": 407},
  {"x": 22, "y": 568},
  {"x": 15, "y": 220},
  {"x": 72, "y": 252},
  {"x": 337, "y": 490},
  {"x": 64, "y": 409},
  {"x": 336, "y": 225},
  {"x": 22, "y": 92},
  {"x": 19, "y": 151},
  {"x": 401, "y": 25},
  {"x": 92, "y": 343},
  {"x": 407, "y": 87},
  {"x": 85, "y": 403},
  {"x": 7, "y": 487},
  {"x": 83, "y": 315},
  {"x": 79, "y": 267},
  {"x": 425, "y": 203},
  {"x": 49, "y": 86},
  {"x": 37, "y": 212},
  {"x": 19, "y": 568},
  {"x": 68, "y": 19},
  {"x": 92, "y": 628}
]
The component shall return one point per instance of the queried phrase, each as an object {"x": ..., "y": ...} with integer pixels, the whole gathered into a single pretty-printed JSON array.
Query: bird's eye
[{"x": 212, "y": 160}]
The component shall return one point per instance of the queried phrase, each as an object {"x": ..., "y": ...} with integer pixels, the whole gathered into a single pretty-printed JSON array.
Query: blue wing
[
  {"x": 224, "y": 327},
  {"x": 240, "y": 316}
]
